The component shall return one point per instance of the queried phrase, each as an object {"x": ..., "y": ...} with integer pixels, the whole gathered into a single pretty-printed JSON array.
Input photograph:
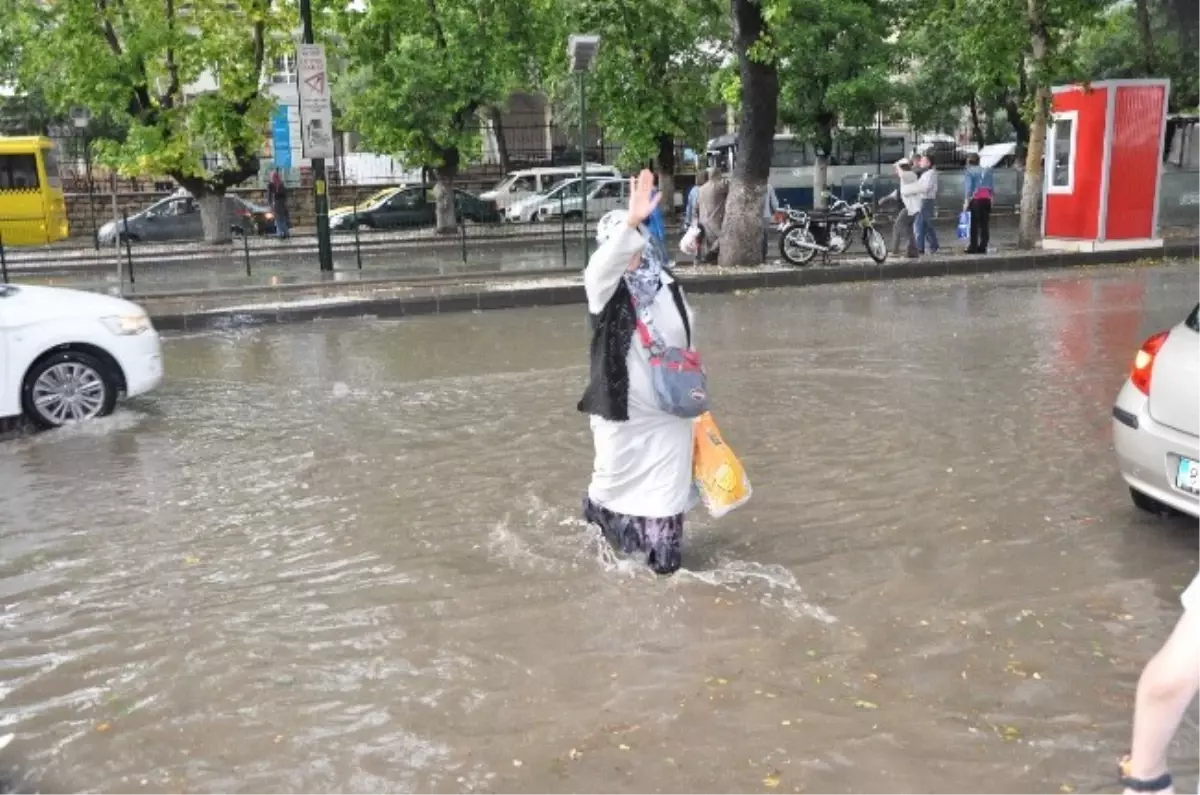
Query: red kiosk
[{"x": 1104, "y": 165}]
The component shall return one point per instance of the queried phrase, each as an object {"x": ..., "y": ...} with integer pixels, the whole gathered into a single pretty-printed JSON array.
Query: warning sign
[{"x": 316, "y": 112}]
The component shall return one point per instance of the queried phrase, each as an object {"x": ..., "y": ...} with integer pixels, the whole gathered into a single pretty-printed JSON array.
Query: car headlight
[{"x": 127, "y": 325}]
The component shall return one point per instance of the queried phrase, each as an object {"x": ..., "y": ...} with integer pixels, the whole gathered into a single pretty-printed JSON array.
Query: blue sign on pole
[{"x": 281, "y": 137}]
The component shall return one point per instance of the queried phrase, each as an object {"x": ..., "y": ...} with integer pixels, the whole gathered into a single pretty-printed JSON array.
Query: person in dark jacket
[
  {"x": 642, "y": 470},
  {"x": 277, "y": 201}
]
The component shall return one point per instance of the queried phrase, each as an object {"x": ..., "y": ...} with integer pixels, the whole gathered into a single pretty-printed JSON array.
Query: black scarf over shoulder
[{"x": 607, "y": 392}]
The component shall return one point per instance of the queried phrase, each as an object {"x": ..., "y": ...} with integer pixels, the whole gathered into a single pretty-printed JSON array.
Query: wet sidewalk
[{"x": 347, "y": 556}]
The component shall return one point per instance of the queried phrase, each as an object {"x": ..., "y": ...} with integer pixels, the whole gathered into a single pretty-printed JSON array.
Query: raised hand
[{"x": 642, "y": 199}]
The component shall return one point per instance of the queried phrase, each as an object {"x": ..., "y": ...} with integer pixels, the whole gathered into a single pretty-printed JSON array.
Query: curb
[{"x": 478, "y": 300}]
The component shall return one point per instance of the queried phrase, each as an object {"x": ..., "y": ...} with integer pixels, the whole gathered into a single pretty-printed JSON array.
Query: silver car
[
  {"x": 1156, "y": 422},
  {"x": 178, "y": 218}
]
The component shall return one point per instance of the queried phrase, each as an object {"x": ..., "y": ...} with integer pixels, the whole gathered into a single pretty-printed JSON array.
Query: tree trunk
[
  {"x": 496, "y": 117},
  {"x": 824, "y": 145},
  {"x": 820, "y": 181},
  {"x": 1012, "y": 111},
  {"x": 666, "y": 174},
  {"x": 976, "y": 126},
  {"x": 443, "y": 193},
  {"x": 214, "y": 215},
  {"x": 1029, "y": 230},
  {"x": 742, "y": 233},
  {"x": 1145, "y": 36}
]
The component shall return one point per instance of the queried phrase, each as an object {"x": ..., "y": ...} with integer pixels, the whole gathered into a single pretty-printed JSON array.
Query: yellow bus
[{"x": 33, "y": 211}]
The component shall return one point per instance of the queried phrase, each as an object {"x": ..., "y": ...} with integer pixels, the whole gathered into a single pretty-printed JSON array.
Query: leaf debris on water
[
  {"x": 103, "y": 727},
  {"x": 861, "y": 704},
  {"x": 771, "y": 780},
  {"x": 517, "y": 763}
]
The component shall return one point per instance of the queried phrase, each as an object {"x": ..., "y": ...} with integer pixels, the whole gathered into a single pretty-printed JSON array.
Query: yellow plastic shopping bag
[{"x": 719, "y": 475}]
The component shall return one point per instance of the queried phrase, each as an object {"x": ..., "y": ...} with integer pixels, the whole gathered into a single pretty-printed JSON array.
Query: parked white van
[{"x": 520, "y": 184}]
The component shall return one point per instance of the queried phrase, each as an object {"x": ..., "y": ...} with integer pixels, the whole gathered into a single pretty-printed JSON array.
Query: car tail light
[{"x": 1143, "y": 363}]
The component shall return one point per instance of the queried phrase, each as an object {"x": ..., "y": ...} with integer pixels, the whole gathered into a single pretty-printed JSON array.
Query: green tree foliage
[
  {"x": 1118, "y": 46},
  {"x": 419, "y": 74},
  {"x": 835, "y": 71},
  {"x": 968, "y": 54},
  {"x": 185, "y": 78},
  {"x": 651, "y": 83}
]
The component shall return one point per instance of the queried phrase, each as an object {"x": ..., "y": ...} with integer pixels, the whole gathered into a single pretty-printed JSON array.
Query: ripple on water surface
[{"x": 348, "y": 556}]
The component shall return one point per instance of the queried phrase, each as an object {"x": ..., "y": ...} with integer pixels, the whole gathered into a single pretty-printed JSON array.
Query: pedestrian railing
[{"x": 552, "y": 239}]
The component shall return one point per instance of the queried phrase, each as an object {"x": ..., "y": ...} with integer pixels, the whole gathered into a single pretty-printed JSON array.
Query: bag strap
[{"x": 646, "y": 330}]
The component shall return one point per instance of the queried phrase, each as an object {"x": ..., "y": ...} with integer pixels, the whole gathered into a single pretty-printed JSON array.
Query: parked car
[
  {"x": 605, "y": 195},
  {"x": 526, "y": 182},
  {"x": 65, "y": 355},
  {"x": 407, "y": 207},
  {"x": 178, "y": 218},
  {"x": 526, "y": 210},
  {"x": 1156, "y": 421}
]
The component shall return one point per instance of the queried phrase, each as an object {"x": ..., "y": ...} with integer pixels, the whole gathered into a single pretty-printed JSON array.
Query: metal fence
[{"x": 552, "y": 239}]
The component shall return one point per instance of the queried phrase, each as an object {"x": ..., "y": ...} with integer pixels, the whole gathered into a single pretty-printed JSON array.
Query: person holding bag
[
  {"x": 645, "y": 389},
  {"x": 978, "y": 188}
]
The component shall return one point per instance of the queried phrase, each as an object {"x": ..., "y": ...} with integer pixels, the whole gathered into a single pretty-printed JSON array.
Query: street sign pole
[{"x": 323, "y": 125}]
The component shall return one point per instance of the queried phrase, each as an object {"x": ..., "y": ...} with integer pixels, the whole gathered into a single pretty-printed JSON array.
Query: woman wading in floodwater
[{"x": 642, "y": 475}]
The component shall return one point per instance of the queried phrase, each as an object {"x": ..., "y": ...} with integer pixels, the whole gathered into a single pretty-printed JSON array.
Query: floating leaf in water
[
  {"x": 1066, "y": 788},
  {"x": 722, "y": 681},
  {"x": 191, "y": 560},
  {"x": 785, "y": 723},
  {"x": 866, "y": 704},
  {"x": 517, "y": 763},
  {"x": 103, "y": 727},
  {"x": 771, "y": 780},
  {"x": 1010, "y": 733}
]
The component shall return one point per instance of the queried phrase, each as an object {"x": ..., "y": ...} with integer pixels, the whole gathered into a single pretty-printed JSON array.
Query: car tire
[
  {"x": 1144, "y": 502},
  {"x": 92, "y": 389}
]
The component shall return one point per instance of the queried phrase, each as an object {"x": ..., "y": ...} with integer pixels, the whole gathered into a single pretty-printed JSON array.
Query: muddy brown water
[{"x": 346, "y": 556}]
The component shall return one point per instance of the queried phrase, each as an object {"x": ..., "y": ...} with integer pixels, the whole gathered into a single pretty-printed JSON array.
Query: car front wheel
[{"x": 66, "y": 387}]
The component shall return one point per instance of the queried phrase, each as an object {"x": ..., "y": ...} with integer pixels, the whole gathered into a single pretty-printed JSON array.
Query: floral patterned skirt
[{"x": 658, "y": 541}]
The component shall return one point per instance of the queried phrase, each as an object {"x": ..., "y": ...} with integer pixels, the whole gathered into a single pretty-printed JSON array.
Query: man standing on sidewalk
[
  {"x": 910, "y": 206},
  {"x": 770, "y": 208},
  {"x": 926, "y": 188}
]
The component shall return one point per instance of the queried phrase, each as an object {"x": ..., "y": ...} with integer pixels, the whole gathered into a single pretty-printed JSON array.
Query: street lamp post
[
  {"x": 581, "y": 49},
  {"x": 81, "y": 117}
]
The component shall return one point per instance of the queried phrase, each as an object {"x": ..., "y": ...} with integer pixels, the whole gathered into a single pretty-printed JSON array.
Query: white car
[
  {"x": 1156, "y": 422},
  {"x": 525, "y": 211},
  {"x": 605, "y": 194},
  {"x": 65, "y": 355}
]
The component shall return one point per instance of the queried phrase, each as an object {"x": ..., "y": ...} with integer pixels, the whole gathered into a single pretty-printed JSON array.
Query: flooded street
[{"x": 346, "y": 556}]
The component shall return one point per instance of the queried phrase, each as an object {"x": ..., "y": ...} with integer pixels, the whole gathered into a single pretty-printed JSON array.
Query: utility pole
[
  {"x": 583, "y": 183},
  {"x": 320, "y": 189}
]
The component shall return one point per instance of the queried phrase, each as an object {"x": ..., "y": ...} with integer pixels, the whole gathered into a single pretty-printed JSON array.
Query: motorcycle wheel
[
  {"x": 794, "y": 253},
  {"x": 875, "y": 244}
]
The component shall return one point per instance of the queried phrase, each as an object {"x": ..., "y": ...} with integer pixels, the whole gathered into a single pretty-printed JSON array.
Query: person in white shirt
[
  {"x": 642, "y": 470},
  {"x": 926, "y": 187},
  {"x": 910, "y": 207}
]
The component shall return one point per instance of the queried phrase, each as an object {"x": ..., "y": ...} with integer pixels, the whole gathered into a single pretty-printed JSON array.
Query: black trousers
[{"x": 981, "y": 216}]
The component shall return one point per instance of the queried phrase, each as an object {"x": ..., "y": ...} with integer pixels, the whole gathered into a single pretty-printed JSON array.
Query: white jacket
[{"x": 911, "y": 192}]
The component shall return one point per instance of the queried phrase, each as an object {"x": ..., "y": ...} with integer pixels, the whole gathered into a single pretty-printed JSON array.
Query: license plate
[{"x": 1187, "y": 477}]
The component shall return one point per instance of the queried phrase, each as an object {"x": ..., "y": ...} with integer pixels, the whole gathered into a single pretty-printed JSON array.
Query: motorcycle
[{"x": 803, "y": 234}]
